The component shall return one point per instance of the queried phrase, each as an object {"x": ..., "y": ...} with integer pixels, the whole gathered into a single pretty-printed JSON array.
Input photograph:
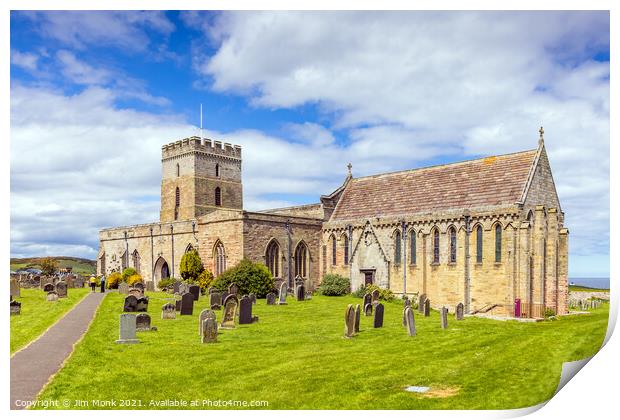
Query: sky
[{"x": 95, "y": 94}]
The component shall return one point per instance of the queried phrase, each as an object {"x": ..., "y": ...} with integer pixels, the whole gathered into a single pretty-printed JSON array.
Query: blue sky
[{"x": 94, "y": 95}]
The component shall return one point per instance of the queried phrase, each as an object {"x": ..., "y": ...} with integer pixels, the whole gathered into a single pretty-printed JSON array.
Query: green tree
[
  {"x": 250, "y": 277},
  {"x": 191, "y": 266},
  {"x": 49, "y": 266}
]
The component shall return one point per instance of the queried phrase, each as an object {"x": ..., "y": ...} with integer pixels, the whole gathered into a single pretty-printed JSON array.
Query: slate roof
[{"x": 490, "y": 181}]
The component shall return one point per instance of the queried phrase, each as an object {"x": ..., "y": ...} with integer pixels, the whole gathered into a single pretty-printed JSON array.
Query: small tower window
[
  {"x": 177, "y": 203},
  {"x": 217, "y": 170},
  {"x": 178, "y": 170},
  {"x": 218, "y": 196}
]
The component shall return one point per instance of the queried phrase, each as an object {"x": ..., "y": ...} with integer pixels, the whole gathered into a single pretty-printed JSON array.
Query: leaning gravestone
[
  {"x": 233, "y": 289},
  {"x": 283, "y": 293},
  {"x": 195, "y": 291},
  {"x": 209, "y": 330},
  {"x": 143, "y": 322},
  {"x": 150, "y": 286},
  {"x": 16, "y": 307},
  {"x": 410, "y": 321},
  {"x": 444, "y": 317},
  {"x": 271, "y": 298},
  {"x": 459, "y": 312},
  {"x": 61, "y": 289},
  {"x": 187, "y": 304},
  {"x": 15, "y": 290},
  {"x": 168, "y": 311},
  {"x": 52, "y": 296},
  {"x": 378, "y": 321},
  {"x": 131, "y": 304},
  {"x": 375, "y": 297},
  {"x": 427, "y": 307},
  {"x": 49, "y": 287},
  {"x": 367, "y": 299},
  {"x": 349, "y": 322},
  {"x": 127, "y": 330},
  {"x": 245, "y": 310},
  {"x": 139, "y": 285},
  {"x": 215, "y": 300},
  {"x": 176, "y": 286},
  {"x": 230, "y": 312},
  {"x": 368, "y": 309},
  {"x": 204, "y": 314},
  {"x": 421, "y": 303},
  {"x": 123, "y": 288},
  {"x": 300, "y": 292},
  {"x": 357, "y": 318}
]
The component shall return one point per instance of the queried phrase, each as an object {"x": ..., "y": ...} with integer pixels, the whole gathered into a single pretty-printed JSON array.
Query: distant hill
[{"x": 79, "y": 265}]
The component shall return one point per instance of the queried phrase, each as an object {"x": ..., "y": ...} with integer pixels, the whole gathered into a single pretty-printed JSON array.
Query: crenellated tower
[{"x": 199, "y": 176}]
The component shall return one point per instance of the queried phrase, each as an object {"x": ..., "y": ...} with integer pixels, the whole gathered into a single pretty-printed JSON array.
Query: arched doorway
[{"x": 161, "y": 270}]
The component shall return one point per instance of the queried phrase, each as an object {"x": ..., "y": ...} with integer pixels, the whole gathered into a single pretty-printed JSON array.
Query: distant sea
[{"x": 593, "y": 282}]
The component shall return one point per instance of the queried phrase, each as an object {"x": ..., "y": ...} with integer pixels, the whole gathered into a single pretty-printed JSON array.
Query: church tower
[{"x": 199, "y": 176}]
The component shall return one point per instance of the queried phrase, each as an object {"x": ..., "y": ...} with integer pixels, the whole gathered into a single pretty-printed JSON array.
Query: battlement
[{"x": 196, "y": 144}]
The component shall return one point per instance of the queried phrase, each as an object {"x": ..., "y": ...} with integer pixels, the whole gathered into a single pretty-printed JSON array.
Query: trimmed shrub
[
  {"x": 205, "y": 280},
  {"x": 128, "y": 272},
  {"x": 112, "y": 281},
  {"x": 191, "y": 266},
  {"x": 334, "y": 285},
  {"x": 384, "y": 294},
  {"x": 250, "y": 277},
  {"x": 165, "y": 283},
  {"x": 131, "y": 280}
]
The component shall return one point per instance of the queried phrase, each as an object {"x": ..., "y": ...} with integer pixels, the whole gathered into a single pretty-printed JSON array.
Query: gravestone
[
  {"x": 427, "y": 307},
  {"x": 150, "y": 286},
  {"x": 123, "y": 288},
  {"x": 252, "y": 297},
  {"x": 213, "y": 290},
  {"x": 168, "y": 311},
  {"x": 349, "y": 322},
  {"x": 131, "y": 304},
  {"x": 49, "y": 287},
  {"x": 16, "y": 307},
  {"x": 42, "y": 281},
  {"x": 357, "y": 318},
  {"x": 271, "y": 298},
  {"x": 375, "y": 296},
  {"x": 135, "y": 292},
  {"x": 378, "y": 321},
  {"x": 233, "y": 289},
  {"x": 368, "y": 309},
  {"x": 230, "y": 312},
  {"x": 187, "y": 304},
  {"x": 143, "y": 322},
  {"x": 245, "y": 310},
  {"x": 215, "y": 299},
  {"x": 298, "y": 281},
  {"x": 139, "y": 285},
  {"x": 459, "y": 312},
  {"x": 367, "y": 299},
  {"x": 276, "y": 285},
  {"x": 52, "y": 296},
  {"x": 406, "y": 302},
  {"x": 224, "y": 296},
  {"x": 283, "y": 293},
  {"x": 127, "y": 333},
  {"x": 78, "y": 283},
  {"x": 15, "y": 290},
  {"x": 177, "y": 302},
  {"x": 444, "y": 317},
  {"x": 308, "y": 295},
  {"x": 176, "y": 286},
  {"x": 421, "y": 303},
  {"x": 209, "y": 331},
  {"x": 300, "y": 292},
  {"x": 410, "y": 321},
  {"x": 70, "y": 282},
  {"x": 195, "y": 291},
  {"x": 61, "y": 289},
  {"x": 204, "y": 314}
]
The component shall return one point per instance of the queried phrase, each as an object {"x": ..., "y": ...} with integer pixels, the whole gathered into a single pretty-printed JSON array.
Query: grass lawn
[
  {"x": 585, "y": 289},
  {"x": 37, "y": 314},
  {"x": 296, "y": 358}
]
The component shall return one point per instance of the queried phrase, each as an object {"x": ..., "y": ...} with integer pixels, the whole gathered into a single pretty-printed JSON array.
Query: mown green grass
[
  {"x": 37, "y": 314},
  {"x": 585, "y": 289},
  {"x": 296, "y": 358}
]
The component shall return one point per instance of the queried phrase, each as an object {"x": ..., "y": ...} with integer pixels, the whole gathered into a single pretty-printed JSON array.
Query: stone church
[{"x": 488, "y": 233}]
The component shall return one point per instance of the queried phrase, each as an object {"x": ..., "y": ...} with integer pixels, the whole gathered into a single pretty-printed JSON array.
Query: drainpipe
[
  {"x": 467, "y": 260},
  {"x": 288, "y": 234},
  {"x": 404, "y": 247},
  {"x": 152, "y": 262},
  {"x": 172, "y": 237}
]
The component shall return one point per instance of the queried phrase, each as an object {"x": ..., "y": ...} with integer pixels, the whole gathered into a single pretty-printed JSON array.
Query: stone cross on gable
[
  {"x": 349, "y": 166},
  {"x": 541, "y": 132}
]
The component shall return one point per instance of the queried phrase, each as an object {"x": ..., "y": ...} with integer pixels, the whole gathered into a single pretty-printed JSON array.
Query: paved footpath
[{"x": 32, "y": 366}]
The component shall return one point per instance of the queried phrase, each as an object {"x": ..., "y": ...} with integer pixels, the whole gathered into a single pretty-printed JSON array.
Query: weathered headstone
[
  {"x": 252, "y": 297},
  {"x": 230, "y": 312},
  {"x": 195, "y": 291},
  {"x": 245, "y": 310},
  {"x": 52, "y": 296},
  {"x": 150, "y": 286},
  {"x": 70, "y": 282},
  {"x": 42, "y": 281},
  {"x": 410, "y": 321},
  {"x": 233, "y": 289},
  {"x": 139, "y": 285},
  {"x": 215, "y": 300},
  {"x": 357, "y": 318},
  {"x": 427, "y": 307},
  {"x": 177, "y": 302},
  {"x": 349, "y": 322},
  {"x": 212, "y": 290},
  {"x": 406, "y": 302},
  {"x": 378, "y": 321},
  {"x": 187, "y": 304},
  {"x": 131, "y": 304},
  {"x": 459, "y": 312},
  {"x": 209, "y": 330},
  {"x": 444, "y": 317},
  {"x": 15, "y": 290},
  {"x": 135, "y": 292},
  {"x": 123, "y": 288},
  {"x": 168, "y": 311},
  {"x": 375, "y": 296},
  {"x": 224, "y": 296},
  {"x": 368, "y": 309},
  {"x": 127, "y": 329},
  {"x": 204, "y": 314},
  {"x": 176, "y": 286},
  {"x": 48, "y": 287},
  {"x": 271, "y": 298},
  {"x": 143, "y": 322},
  {"x": 298, "y": 281},
  {"x": 16, "y": 307},
  {"x": 421, "y": 303},
  {"x": 61, "y": 289},
  {"x": 300, "y": 292},
  {"x": 367, "y": 299},
  {"x": 283, "y": 293}
]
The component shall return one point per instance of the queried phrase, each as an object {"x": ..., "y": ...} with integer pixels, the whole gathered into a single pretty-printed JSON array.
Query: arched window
[
  {"x": 217, "y": 169},
  {"x": 479, "y": 244},
  {"x": 498, "y": 243},
  {"x": 178, "y": 170},
  {"x": 272, "y": 257},
  {"x": 452, "y": 245},
  {"x": 124, "y": 260},
  {"x": 177, "y": 203},
  {"x": 189, "y": 248},
  {"x": 301, "y": 261},
  {"x": 333, "y": 250},
  {"x": 135, "y": 260},
  {"x": 345, "y": 247},
  {"x": 412, "y": 247},
  {"x": 219, "y": 258},
  {"x": 218, "y": 196},
  {"x": 436, "y": 246},
  {"x": 397, "y": 248}
]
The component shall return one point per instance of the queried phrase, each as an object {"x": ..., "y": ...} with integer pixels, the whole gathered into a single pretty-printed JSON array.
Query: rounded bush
[
  {"x": 131, "y": 280},
  {"x": 250, "y": 277},
  {"x": 384, "y": 294},
  {"x": 165, "y": 283},
  {"x": 112, "y": 281},
  {"x": 191, "y": 266},
  {"x": 128, "y": 272},
  {"x": 334, "y": 285}
]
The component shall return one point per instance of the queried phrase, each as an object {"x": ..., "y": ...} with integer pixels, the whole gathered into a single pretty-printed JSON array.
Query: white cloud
[
  {"x": 79, "y": 72},
  {"x": 25, "y": 60}
]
